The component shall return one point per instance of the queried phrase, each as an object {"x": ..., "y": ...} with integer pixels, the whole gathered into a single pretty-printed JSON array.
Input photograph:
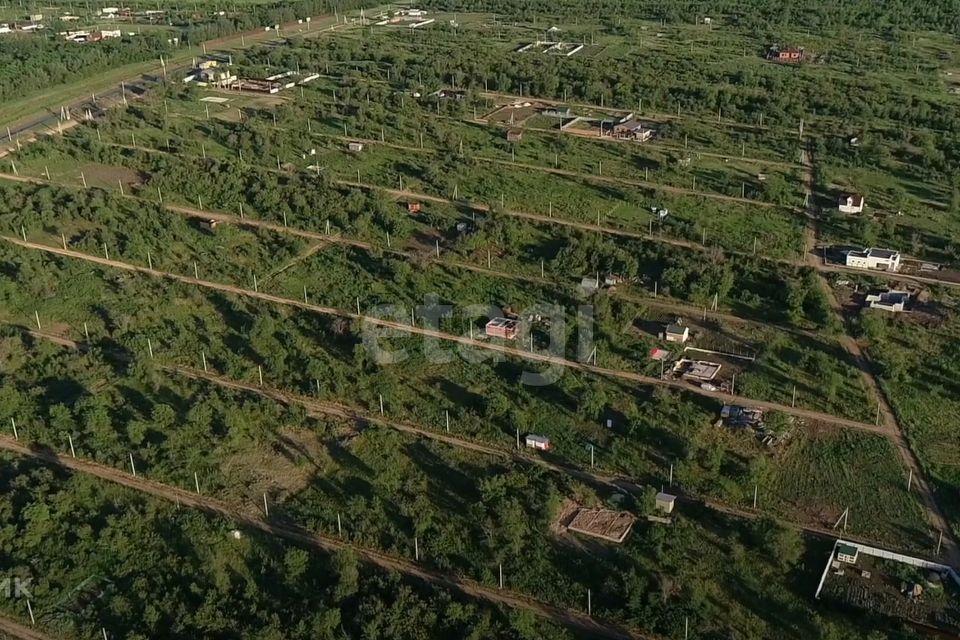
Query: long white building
[{"x": 874, "y": 259}]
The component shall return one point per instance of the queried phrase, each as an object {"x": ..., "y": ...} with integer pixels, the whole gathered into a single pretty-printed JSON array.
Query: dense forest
[
  {"x": 34, "y": 63},
  {"x": 141, "y": 568},
  {"x": 256, "y": 15},
  {"x": 932, "y": 15}
]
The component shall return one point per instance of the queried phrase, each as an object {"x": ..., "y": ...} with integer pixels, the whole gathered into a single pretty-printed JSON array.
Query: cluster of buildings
[
  {"x": 411, "y": 17},
  {"x": 787, "y": 55},
  {"x": 90, "y": 36},
  {"x": 33, "y": 24},
  {"x": 210, "y": 73}
]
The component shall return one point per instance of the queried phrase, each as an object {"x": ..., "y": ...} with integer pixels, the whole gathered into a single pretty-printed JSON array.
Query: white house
[
  {"x": 534, "y": 441},
  {"x": 890, "y": 300},
  {"x": 847, "y": 553},
  {"x": 665, "y": 502},
  {"x": 676, "y": 333},
  {"x": 874, "y": 259},
  {"x": 850, "y": 203}
]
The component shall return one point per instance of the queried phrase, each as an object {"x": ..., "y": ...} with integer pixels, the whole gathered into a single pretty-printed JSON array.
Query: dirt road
[
  {"x": 565, "y": 617},
  {"x": 489, "y": 346},
  {"x": 12, "y": 629}
]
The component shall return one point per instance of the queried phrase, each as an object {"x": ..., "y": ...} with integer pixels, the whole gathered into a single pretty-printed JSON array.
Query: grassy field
[{"x": 914, "y": 354}]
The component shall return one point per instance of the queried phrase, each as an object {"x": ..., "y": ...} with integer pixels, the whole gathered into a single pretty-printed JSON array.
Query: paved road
[
  {"x": 489, "y": 346},
  {"x": 565, "y": 617}
]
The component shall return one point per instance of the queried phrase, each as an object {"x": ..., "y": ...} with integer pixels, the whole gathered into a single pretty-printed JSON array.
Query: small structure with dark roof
[{"x": 676, "y": 333}]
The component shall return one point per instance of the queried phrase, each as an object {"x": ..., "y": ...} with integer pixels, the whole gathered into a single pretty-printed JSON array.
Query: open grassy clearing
[{"x": 856, "y": 470}]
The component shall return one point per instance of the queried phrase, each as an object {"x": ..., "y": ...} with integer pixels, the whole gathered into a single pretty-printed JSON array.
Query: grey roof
[{"x": 675, "y": 328}]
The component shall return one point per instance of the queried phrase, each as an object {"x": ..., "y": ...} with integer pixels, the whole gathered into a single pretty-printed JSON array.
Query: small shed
[
  {"x": 541, "y": 443},
  {"x": 414, "y": 207},
  {"x": 355, "y": 147},
  {"x": 589, "y": 285},
  {"x": 514, "y": 135},
  {"x": 847, "y": 553},
  {"x": 850, "y": 203},
  {"x": 676, "y": 333},
  {"x": 502, "y": 328},
  {"x": 209, "y": 224},
  {"x": 665, "y": 502}
]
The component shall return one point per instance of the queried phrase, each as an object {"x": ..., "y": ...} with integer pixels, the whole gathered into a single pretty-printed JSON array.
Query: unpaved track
[
  {"x": 10, "y": 628},
  {"x": 564, "y": 617},
  {"x": 490, "y": 346}
]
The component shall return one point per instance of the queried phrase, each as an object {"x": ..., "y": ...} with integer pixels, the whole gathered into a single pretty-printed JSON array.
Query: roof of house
[
  {"x": 882, "y": 253},
  {"x": 665, "y": 497},
  {"x": 532, "y": 437},
  {"x": 676, "y": 329},
  {"x": 847, "y": 549},
  {"x": 872, "y": 252},
  {"x": 855, "y": 197},
  {"x": 503, "y": 322}
]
